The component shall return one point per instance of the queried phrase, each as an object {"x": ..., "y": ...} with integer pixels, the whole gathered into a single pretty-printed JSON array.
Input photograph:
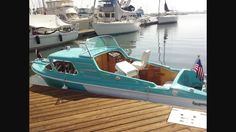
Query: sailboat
[{"x": 169, "y": 16}]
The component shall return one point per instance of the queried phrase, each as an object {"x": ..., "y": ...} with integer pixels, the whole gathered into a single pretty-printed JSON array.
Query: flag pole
[
  {"x": 198, "y": 57},
  {"x": 198, "y": 68}
]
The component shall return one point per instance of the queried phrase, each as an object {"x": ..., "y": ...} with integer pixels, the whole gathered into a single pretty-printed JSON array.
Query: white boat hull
[
  {"x": 81, "y": 23},
  {"x": 122, "y": 93},
  {"x": 102, "y": 28},
  {"x": 51, "y": 39},
  {"x": 130, "y": 94},
  {"x": 167, "y": 19}
]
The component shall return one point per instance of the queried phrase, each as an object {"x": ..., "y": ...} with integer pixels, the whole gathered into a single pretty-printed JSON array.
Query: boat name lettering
[{"x": 196, "y": 103}]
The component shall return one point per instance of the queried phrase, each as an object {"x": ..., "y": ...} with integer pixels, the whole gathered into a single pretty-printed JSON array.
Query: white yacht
[
  {"x": 66, "y": 11},
  {"x": 110, "y": 18}
]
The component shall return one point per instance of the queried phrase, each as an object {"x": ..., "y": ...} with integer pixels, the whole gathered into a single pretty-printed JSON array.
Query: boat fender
[
  {"x": 60, "y": 37},
  {"x": 37, "y": 39}
]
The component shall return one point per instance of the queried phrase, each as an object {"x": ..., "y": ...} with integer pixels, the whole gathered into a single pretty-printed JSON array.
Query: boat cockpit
[
  {"x": 109, "y": 57},
  {"x": 117, "y": 63}
]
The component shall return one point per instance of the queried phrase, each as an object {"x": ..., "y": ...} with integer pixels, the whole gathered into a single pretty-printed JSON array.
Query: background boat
[
  {"x": 118, "y": 27},
  {"x": 49, "y": 30},
  {"x": 67, "y": 12},
  {"x": 169, "y": 16},
  {"x": 110, "y": 18}
]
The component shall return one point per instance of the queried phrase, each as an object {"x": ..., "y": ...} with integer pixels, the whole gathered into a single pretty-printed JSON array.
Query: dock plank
[
  {"x": 91, "y": 121},
  {"x": 136, "y": 123},
  {"x": 102, "y": 114},
  {"x": 81, "y": 111}
]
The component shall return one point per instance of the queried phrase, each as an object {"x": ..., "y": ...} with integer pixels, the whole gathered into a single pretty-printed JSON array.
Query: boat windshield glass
[
  {"x": 100, "y": 43},
  {"x": 105, "y": 41}
]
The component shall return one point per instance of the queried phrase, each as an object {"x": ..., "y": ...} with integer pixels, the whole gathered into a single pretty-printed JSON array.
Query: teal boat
[{"x": 100, "y": 66}]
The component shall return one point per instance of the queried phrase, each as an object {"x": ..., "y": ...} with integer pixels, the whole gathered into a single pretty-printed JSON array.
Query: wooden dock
[
  {"x": 86, "y": 32},
  {"x": 53, "y": 109}
]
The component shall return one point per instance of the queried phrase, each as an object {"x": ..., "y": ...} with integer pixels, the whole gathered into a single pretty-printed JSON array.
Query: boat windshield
[
  {"x": 104, "y": 41},
  {"x": 99, "y": 44}
]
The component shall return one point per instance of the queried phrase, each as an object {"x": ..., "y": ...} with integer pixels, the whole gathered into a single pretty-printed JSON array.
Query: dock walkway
[
  {"x": 53, "y": 109},
  {"x": 86, "y": 33}
]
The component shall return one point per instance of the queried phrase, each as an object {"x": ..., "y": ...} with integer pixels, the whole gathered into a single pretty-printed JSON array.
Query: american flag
[{"x": 198, "y": 69}]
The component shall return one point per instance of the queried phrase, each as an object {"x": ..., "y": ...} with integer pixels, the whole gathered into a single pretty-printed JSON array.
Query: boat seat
[
  {"x": 144, "y": 59},
  {"x": 126, "y": 68}
]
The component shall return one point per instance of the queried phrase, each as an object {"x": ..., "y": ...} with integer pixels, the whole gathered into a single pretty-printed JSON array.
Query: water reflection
[
  {"x": 162, "y": 32},
  {"x": 127, "y": 41}
]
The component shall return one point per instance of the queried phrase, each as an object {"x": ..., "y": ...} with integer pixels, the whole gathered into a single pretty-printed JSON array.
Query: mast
[
  {"x": 94, "y": 3},
  {"x": 159, "y": 9},
  {"x": 44, "y": 9}
]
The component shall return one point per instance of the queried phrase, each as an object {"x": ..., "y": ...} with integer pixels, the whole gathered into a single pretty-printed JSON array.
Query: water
[{"x": 176, "y": 45}]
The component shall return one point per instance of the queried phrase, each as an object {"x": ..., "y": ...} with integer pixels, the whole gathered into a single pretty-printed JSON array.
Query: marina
[
  {"x": 113, "y": 67},
  {"x": 171, "y": 43}
]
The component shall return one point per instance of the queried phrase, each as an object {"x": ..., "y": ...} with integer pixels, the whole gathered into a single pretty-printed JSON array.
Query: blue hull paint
[{"x": 53, "y": 83}]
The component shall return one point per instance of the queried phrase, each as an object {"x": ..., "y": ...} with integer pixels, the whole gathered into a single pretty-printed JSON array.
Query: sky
[{"x": 149, "y": 6}]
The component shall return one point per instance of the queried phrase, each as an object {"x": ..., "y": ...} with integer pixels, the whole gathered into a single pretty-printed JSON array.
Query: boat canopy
[{"x": 46, "y": 21}]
